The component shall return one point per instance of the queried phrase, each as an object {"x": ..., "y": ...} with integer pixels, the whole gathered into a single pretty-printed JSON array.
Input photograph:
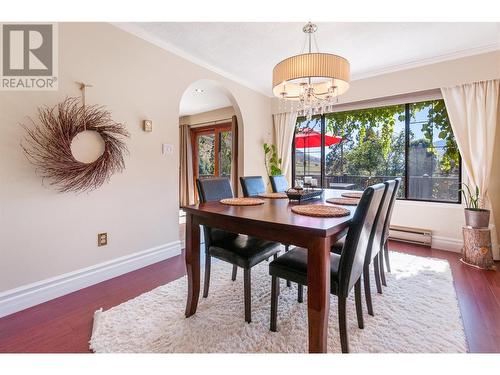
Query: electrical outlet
[{"x": 102, "y": 239}]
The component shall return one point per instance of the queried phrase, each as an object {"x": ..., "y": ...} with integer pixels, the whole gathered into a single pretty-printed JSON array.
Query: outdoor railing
[{"x": 440, "y": 188}]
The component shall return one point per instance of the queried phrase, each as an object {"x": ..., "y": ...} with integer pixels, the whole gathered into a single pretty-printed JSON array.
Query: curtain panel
[
  {"x": 284, "y": 130},
  {"x": 186, "y": 188},
  {"x": 473, "y": 113}
]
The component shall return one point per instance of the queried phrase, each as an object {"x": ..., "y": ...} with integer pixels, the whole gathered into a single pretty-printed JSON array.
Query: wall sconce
[{"x": 147, "y": 125}]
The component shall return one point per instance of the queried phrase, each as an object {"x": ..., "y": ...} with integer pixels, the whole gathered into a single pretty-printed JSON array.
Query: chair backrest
[
  {"x": 380, "y": 221},
  {"x": 214, "y": 189},
  {"x": 387, "y": 221},
  {"x": 210, "y": 190},
  {"x": 359, "y": 238},
  {"x": 279, "y": 183},
  {"x": 252, "y": 186}
]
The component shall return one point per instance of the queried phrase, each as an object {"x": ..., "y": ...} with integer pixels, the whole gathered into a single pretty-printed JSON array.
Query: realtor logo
[{"x": 28, "y": 57}]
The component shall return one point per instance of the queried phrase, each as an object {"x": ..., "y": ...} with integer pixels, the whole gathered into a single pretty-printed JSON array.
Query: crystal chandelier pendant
[{"x": 313, "y": 80}]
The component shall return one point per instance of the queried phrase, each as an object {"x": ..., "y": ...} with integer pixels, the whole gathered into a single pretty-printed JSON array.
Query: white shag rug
[{"x": 417, "y": 312}]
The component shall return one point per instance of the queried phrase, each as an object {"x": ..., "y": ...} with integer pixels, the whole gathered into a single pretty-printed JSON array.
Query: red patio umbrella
[{"x": 308, "y": 138}]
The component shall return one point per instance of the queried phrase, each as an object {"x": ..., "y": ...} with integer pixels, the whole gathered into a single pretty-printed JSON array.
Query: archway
[{"x": 210, "y": 136}]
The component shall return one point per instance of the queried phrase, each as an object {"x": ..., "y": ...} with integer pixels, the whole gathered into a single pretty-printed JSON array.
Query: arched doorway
[{"x": 209, "y": 136}]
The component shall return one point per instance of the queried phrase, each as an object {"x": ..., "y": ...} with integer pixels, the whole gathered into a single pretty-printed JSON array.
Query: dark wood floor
[{"x": 65, "y": 324}]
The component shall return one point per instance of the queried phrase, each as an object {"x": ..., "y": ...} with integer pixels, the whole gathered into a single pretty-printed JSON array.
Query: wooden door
[{"x": 212, "y": 152}]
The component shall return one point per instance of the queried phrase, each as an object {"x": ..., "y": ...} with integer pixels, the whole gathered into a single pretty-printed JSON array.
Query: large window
[{"x": 355, "y": 149}]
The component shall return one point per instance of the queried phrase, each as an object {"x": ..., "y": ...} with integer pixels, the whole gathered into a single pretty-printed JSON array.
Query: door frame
[{"x": 215, "y": 129}]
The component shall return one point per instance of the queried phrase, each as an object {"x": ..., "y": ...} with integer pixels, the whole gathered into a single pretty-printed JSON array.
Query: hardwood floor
[{"x": 65, "y": 324}]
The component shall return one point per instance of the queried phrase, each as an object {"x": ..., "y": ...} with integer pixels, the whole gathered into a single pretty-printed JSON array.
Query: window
[{"x": 355, "y": 149}]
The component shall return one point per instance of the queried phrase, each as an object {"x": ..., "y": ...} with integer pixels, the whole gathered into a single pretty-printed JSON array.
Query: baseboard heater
[{"x": 412, "y": 235}]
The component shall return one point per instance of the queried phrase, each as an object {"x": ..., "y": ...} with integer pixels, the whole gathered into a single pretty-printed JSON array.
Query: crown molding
[
  {"x": 427, "y": 61},
  {"x": 139, "y": 32}
]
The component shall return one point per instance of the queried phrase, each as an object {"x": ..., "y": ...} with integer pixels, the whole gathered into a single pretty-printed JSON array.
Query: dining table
[{"x": 273, "y": 220}]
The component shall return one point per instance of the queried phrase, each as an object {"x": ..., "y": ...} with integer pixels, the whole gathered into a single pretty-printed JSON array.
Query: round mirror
[{"x": 87, "y": 146}]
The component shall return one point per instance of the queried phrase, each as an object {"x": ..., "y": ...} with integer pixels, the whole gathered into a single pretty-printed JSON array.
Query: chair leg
[
  {"x": 288, "y": 282},
  {"x": 206, "y": 283},
  {"x": 300, "y": 293},
  {"x": 368, "y": 294},
  {"x": 381, "y": 267},
  {"x": 247, "y": 286},
  {"x": 343, "y": 325},
  {"x": 377, "y": 274},
  {"x": 359, "y": 305},
  {"x": 386, "y": 256},
  {"x": 235, "y": 271},
  {"x": 274, "y": 303}
]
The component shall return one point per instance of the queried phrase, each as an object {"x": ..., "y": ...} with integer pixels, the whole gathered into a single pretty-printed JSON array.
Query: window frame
[{"x": 407, "y": 147}]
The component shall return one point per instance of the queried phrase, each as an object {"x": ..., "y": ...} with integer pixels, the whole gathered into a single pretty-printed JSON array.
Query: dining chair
[
  {"x": 279, "y": 183},
  {"x": 373, "y": 253},
  {"x": 237, "y": 249},
  {"x": 345, "y": 269},
  {"x": 387, "y": 224},
  {"x": 252, "y": 186}
]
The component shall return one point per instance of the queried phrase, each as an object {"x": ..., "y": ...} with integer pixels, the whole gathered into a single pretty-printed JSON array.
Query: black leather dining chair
[
  {"x": 373, "y": 254},
  {"x": 279, "y": 183},
  {"x": 385, "y": 235},
  {"x": 238, "y": 249},
  {"x": 345, "y": 269},
  {"x": 252, "y": 186},
  {"x": 377, "y": 251}
]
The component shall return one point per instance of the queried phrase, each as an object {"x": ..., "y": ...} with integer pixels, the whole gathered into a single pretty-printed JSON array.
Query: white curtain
[
  {"x": 473, "y": 112},
  {"x": 284, "y": 130}
]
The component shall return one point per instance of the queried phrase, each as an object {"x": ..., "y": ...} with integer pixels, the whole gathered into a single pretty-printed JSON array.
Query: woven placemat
[
  {"x": 344, "y": 201},
  {"x": 274, "y": 195},
  {"x": 320, "y": 210},
  {"x": 354, "y": 194},
  {"x": 242, "y": 201}
]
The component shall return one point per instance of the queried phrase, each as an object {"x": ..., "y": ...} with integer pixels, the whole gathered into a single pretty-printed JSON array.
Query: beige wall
[
  {"x": 445, "y": 220},
  {"x": 44, "y": 233},
  {"x": 210, "y": 116}
]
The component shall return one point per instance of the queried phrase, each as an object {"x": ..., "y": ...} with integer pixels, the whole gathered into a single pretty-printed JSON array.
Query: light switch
[{"x": 167, "y": 149}]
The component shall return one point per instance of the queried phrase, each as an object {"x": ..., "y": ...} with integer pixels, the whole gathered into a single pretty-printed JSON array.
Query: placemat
[
  {"x": 320, "y": 210},
  {"x": 344, "y": 201},
  {"x": 354, "y": 194},
  {"x": 274, "y": 195},
  {"x": 242, "y": 201}
]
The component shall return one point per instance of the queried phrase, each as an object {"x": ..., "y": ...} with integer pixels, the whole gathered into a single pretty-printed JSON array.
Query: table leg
[
  {"x": 192, "y": 257},
  {"x": 318, "y": 293}
]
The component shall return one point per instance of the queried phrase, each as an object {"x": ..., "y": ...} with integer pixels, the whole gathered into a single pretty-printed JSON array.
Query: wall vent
[{"x": 412, "y": 235}]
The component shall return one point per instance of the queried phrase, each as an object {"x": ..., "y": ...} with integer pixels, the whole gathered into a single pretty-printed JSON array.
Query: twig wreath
[{"x": 47, "y": 145}]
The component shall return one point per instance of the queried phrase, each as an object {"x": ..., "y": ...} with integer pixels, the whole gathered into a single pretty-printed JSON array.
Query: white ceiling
[
  {"x": 247, "y": 52},
  {"x": 212, "y": 97}
]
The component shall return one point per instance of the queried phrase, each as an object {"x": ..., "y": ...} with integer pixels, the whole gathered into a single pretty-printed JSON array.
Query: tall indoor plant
[
  {"x": 475, "y": 216},
  {"x": 271, "y": 160}
]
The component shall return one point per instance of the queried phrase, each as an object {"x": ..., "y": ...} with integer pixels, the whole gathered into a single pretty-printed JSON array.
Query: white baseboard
[
  {"x": 447, "y": 243},
  {"x": 33, "y": 294}
]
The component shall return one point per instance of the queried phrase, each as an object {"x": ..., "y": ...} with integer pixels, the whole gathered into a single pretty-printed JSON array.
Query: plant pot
[{"x": 477, "y": 217}]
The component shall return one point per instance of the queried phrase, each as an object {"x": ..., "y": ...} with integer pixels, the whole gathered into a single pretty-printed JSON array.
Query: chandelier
[{"x": 313, "y": 80}]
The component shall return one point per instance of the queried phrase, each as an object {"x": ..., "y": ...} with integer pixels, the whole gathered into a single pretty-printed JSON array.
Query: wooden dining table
[{"x": 274, "y": 221}]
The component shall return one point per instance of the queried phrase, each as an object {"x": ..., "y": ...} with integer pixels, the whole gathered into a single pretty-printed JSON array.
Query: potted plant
[{"x": 475, "y": 216}]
